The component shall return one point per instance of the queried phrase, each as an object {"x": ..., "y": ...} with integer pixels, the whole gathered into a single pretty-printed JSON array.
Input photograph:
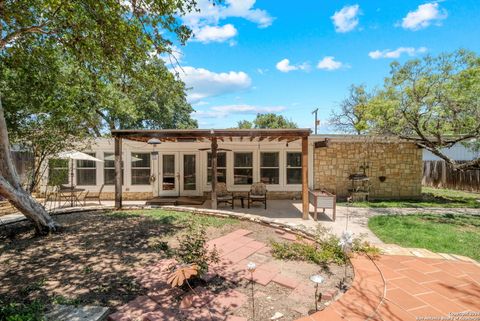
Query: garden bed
[{"x": 96, "y": 258}]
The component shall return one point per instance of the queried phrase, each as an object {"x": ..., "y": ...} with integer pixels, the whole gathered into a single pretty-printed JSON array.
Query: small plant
[
  {"x": 326, "y": 249},
  {"x": 193, "y": 250},
  {"x": 14, "y": 311}
]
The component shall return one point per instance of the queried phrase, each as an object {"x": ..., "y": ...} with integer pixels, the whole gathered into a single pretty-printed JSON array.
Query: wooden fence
[{"x": 439, "y": 174}]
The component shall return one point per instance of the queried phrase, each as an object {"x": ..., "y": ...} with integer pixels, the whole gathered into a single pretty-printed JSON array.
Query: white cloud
[
  {"x": 205, "y": 22},
  {"x": 346, "y": 19},
  {"x": 285, "y": 66},
  {"x": 387, "y": 53},
  {"x": 424, "y": 16},
  {"x": 226, "y": 110},
  {"x": 205, "y": 83},
  {"x": 214, "y": 33},
  {"x": 329, "y": 63},
  {"x": 171, "y": 58}
]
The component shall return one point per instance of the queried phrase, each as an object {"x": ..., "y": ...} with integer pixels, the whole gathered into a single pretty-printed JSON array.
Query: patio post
[
  {"x": 118, "y": 172},
  {"x": 305, "y": 203},
  {"x": 214, "y": 172}
]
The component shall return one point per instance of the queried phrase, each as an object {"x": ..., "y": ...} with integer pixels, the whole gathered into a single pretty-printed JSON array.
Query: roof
[{"x": 200, "y": 134}]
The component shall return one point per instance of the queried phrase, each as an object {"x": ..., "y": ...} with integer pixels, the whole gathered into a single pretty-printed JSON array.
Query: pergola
[{"x": 212, "y": 135}]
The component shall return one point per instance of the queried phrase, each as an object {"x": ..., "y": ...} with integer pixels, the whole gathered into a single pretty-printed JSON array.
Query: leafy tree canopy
[
  {"x": 433, "y": 102},
  {"x": 269, "y": 120}
]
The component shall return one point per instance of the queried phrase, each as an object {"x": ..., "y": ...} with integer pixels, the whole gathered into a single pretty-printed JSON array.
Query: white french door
[{"x": 178, "y": 174}]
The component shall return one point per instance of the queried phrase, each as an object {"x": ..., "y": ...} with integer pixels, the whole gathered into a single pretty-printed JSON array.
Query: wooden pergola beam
[
  {"x": 118, "y": 173},
  {"x": 305, "y": 203}
]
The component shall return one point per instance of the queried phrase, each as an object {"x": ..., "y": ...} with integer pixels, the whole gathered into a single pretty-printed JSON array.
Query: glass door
[
  {"x": 189, "y": 184},
  {"x": 168, "y": 175}
]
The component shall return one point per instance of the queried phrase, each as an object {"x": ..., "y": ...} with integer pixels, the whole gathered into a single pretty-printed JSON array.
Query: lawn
[
  {"x": 448, "y": 233},
  {"x": 431, "y": 197}
]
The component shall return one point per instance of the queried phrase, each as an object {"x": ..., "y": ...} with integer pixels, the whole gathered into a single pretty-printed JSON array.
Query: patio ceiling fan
[{"x": 219, "y": 149}]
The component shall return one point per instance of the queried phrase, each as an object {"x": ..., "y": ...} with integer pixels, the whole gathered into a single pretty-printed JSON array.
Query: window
[
  {"x": 57, "y": 172},
  {"x": 221, "y": 167},
  {"x": 294, "y": 168},
  {"x": 140, "y": 168},
  {"x": 87, "y": 171},
  {"x": 243, "y": 168},
  {"x": 109, "y": 169},
  {"x": 269, "y": 168},
  {"x": 189, "y": 173}
]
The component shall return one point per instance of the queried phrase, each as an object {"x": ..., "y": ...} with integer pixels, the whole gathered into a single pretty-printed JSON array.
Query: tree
[
  {"x": 269, "y": 120},
  {"x": 352, "y": 116},
  {"x": 433, "y": 102},
  {"x": 105, "y": 38},
  {"x": 244, "y": 124}
]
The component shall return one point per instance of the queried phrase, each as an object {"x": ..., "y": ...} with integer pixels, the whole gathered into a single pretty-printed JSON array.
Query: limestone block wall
[{"x": 399, "y": 162}]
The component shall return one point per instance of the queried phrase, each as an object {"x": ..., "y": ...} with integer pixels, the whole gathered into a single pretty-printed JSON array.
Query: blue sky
[{"x": 236, "y": 65}]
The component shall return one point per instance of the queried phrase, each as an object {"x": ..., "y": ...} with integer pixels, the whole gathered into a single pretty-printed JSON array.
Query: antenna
[{"x": 316, "y": 119}]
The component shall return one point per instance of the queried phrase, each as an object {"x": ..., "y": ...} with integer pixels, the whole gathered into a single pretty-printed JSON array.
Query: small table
[
  {"x": 69, "y": 193},
  {"x": 239, "y": 197}
]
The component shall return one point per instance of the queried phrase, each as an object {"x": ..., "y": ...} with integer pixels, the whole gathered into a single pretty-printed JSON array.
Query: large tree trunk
[{"x": 11, "y": 189}]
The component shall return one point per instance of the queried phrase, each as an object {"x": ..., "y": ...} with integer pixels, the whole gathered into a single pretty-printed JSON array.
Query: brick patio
[
  {"x": 406, "y": 288},
  {"x": 390, "y": 288}
]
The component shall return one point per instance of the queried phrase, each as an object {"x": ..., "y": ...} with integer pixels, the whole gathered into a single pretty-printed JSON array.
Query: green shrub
[
  {"x": 14, "y": 311},
  {"x": 325, "y": 249},
  {"x": 192, "y": 248}
]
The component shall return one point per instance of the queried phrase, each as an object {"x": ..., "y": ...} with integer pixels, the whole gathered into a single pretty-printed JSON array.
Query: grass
[
  {"x": 448, "y": 233},
  {"x": 431, "y": 197},
  {"x": 177, "y": 218}
]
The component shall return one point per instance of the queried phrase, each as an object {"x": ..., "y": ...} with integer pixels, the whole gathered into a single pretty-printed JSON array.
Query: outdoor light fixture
[
  {"x": 251, "y": 267},
  {"x": 154, "y": 142},
  {"x": 317, "y": 279}
]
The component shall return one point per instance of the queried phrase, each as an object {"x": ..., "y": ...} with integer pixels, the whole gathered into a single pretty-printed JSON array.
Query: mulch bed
[{"x": 95, "y": 258}]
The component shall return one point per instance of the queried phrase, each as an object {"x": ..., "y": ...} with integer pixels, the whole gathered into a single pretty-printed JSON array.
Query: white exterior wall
[{"x": 101, "y": 146}]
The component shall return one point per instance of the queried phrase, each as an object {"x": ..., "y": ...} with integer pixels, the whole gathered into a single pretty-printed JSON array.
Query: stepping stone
[
  {"x": 77, "y": 313},
  {"x": 286, "y": 281}
]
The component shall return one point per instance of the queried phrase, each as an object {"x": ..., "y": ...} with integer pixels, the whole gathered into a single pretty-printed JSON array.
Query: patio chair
[
  {"x": 81, "y": 197},
  {"x": 223, "y": 195},
  {"x": 258, "y": 193},
  {"x": 94, "y": 196}
]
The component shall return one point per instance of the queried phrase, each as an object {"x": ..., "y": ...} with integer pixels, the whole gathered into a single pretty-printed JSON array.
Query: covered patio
[{"x": 215, "y": 138}]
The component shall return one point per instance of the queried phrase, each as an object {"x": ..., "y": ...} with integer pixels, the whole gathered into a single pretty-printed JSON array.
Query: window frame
[
  {"x": 105, "y": 168},
  {"x": 287, "y": 167},
  {"x": 209, "y": 167},
  {"x": 133, "y": 167},
  {"x": 79, "y": 168},
  {"x": 249, "y": 167},
  {"x": 269, "y": 167}
]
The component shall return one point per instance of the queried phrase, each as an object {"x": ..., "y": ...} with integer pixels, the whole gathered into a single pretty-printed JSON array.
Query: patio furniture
[
  {"x": 240, "y": 197},
  {"x": 94, "y": 196},
  {"x": 258, "y": 193},
  {"x": 322, "y": 199},
  {"x": 223, "y": 195},
  {"x": 69, "y": 194}
]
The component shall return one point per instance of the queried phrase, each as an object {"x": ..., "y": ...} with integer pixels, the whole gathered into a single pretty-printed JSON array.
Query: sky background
[{"x": 291, "y": 57}]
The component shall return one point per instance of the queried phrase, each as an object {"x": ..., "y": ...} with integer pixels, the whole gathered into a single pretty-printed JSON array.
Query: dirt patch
[{"x": 93, "y": 261}]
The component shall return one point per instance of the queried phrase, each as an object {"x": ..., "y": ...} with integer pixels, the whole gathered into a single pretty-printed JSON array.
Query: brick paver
[
  {"x": 393, "y": 287},
  {"x": 414, "y": 287}
]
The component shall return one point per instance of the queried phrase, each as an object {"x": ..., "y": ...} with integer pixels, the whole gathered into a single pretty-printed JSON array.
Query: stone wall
[
  {"x": 128, "y": 196},
  {"x": 399, "y": 162}
]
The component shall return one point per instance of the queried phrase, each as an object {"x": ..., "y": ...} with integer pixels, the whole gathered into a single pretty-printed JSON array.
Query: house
[{"x": 289, "y": 161}]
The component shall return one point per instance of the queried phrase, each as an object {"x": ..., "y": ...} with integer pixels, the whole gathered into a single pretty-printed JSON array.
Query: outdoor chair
[
  {"x": 223, "y": 195},
  {"x": 93, "y": 196},
  {"x": 81, "y": 197},
  {"x": 258, "y": 193}
]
